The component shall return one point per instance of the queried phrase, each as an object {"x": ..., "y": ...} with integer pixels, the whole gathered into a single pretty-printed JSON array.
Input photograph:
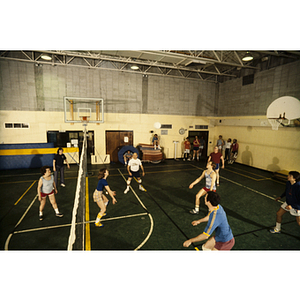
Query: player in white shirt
[{"x": 133, "y": 169}]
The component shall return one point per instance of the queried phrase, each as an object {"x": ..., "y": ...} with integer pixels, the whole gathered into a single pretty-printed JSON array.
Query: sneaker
[
  {"x": 275, "y": 230},
  {"x": 41, "y": 217},
  {"x": 63, "y": 185},
  {"x": 59, "y": 215},
  {"x": 99, "y": 224},
  {"x": 142, "y": 189},
  {"x": 126, "y": 191},
  {"x": 194, "y": 212}
]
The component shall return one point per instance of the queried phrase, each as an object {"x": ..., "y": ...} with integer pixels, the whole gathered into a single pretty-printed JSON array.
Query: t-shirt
[
  {"x": 292, "y": 194},
  {"x": 59, "y": 159},
  {"x": 47, "y": 186},
  {"x": 101, "y": 184},
  {"x": 187, "y": 145},
  {"x": 217, "y": 222},
  {"x": 215, "y": 157},
  {"x": 134, "y": 164}
]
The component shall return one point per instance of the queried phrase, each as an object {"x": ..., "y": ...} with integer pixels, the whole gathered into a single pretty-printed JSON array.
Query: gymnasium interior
[{"x": 128, "y": 96}]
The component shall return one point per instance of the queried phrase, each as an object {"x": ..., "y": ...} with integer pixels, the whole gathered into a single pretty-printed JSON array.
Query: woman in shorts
[
  {"x": 100, "y": 198},
  {"x": 210, "y": 184},
  {"x": 196, "y": 144},
  {"x": 46, "y": 187}
]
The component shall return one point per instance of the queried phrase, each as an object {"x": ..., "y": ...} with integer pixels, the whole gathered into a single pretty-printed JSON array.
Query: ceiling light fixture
[
  {"x": 46, "y": 57},
  {"x": 247, "y": 57},
  {"x": 134, "y": 67}
]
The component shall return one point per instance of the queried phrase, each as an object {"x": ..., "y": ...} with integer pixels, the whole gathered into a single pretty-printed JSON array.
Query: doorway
[
  {"x": 204, "y": 134},
  {"x": 115, "y": 140},
  {"x": 60, "y": 139}
]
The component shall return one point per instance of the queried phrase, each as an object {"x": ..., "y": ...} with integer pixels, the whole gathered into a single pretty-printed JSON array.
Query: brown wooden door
[{"x": 115, "y": 140}]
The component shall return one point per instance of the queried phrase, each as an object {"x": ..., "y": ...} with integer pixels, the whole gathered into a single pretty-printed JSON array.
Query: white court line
[
  {"x": 149, "y": 215},
  {"x": 244, "y": 186},
  {"x": 9, "y": 237},
  {"x": 67, "y": 225}
]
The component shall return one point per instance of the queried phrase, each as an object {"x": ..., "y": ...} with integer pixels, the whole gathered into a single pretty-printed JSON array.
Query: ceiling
[{"x": 206, "y": 65}]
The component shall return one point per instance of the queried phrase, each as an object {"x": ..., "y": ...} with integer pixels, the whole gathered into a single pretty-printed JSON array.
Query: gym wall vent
[
  {"x": 16, "y": 125},
  {"x": 201, "y": 126},
  {"x": 166, "y": 126}
]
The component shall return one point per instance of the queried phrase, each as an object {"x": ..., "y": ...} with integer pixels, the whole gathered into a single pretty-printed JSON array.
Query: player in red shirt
[{"x": 216, "y": 156}]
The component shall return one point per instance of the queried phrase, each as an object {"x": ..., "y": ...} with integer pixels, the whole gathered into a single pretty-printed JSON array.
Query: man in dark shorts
[
  {"x": 133, "y": 169},
  {"x": 217, "y": 221}
]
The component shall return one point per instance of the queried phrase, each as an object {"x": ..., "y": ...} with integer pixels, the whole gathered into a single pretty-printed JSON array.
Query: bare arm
[
  {"x": 111, "y": 194},
  {"x": 39, "y": 188},
  {"x": 143, "y": 170},
  {"x": 213, "y": 180},
  {"x": 223, "y": 164},
  {"x": 197, "y": 180},
  {"x": 54, "y": 165}
]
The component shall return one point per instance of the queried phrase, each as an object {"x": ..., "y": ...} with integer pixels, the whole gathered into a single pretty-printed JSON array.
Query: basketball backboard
[
  {"x": 75, "y": 109},
  {"x": 283, "y": 110}
]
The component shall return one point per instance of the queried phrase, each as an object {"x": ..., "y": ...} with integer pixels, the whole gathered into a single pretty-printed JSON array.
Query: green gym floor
[{"x": 157, "y": 219}]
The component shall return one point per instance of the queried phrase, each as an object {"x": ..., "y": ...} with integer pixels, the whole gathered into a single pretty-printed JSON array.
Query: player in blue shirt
[
  {"x": 100, "y": 198},
  {"x": 292, "y": 203},
  {"x": 217, "y": 221}
]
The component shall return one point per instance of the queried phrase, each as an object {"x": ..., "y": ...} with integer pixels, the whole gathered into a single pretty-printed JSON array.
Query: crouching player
[{"x": 217, "y": 221}]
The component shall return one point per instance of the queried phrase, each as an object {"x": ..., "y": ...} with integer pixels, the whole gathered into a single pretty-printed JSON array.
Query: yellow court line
[
  {"x": 248, "y": 176},
  {"x": 87, "y": 217},
  {"x": 25, "y": 192}
]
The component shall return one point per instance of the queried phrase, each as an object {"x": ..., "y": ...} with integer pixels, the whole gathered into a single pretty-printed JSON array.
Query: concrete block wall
[
  {"x": 27, "y": 86},
  {"x": 167, "y": 95},
  {"x": 254, "y": 99}
]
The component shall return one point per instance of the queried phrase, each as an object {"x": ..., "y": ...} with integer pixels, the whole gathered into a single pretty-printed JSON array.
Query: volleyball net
[{"x": 77, "y": 230}]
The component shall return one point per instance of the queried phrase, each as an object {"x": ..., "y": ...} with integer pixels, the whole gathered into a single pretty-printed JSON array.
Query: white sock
[
  {"x": 41, "y": 213},
  {"x": 278, "y": 226},
  {"x": 56, "y": 210},
  {"x": 197, "y": 208}
]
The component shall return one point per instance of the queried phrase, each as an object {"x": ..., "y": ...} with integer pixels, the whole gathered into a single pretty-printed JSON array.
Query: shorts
[
  {"x": 225, "y": 245},
  {"x": 294, "y": 212},
  {"x": 220, "y": 147},
  {"x": 135, "y": 174},
  {"x": 43, "y": 195},
  {"x": 196, "y": 148},
  {"x": 97, "y": 196},
  {"x": 187, "y": 151},
  {"x": 217, "y": 166},
  {"x": 207, "y": 190},
  {"x": 201, "y": 147}
]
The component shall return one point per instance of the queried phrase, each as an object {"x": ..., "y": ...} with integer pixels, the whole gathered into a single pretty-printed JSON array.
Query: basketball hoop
[
  {"x": 275, "y": 123},
  {"x": 84, "y": 119}
]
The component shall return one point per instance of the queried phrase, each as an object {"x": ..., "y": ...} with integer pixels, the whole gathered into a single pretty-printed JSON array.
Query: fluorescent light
[
  {"x": 134, "y": 67},
  {"x": 46, "y": 57},
  {"x": 247, "y": 57}
]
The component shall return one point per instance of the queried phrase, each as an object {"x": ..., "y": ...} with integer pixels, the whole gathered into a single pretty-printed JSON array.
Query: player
[
  {"x": 100, "y": 198},
  {"x": 220, "y": 143},
  {"x": 58, "y": 166},
  {"x": 187, "y": 149},
  {"x": 216, "y": 156},
  {"x": 127, "y": 156},
  {"x": 133, "y": 169},
  {"x": 210, "y": 185},
  {"x": 196, "y": 150},
  {"x": 292, "y": 203},
  {"x": 46, "y": 187},
  {"x": 234, "y": 151},
  {"x": 217, "y": 221},
  {"x": 155, "y": 141}
]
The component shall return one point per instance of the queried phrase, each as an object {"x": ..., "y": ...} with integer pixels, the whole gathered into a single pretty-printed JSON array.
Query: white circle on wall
[{"x": 157, "y": 125}]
